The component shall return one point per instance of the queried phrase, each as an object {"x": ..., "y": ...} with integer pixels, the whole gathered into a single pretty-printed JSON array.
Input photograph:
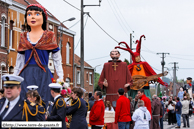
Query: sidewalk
[{"x": 191, "y": 122}]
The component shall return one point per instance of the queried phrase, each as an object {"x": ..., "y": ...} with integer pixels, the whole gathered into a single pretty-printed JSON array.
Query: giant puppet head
[{"x": 135, "y": 55}]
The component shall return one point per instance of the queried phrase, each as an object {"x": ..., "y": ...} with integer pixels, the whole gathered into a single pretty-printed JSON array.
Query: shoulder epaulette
[
  {"x": 26, "y": 110},
  {"x": 57, "y": 103},
  {"x": 78, "y": 101},
  {"x": 88, "y": 106}
]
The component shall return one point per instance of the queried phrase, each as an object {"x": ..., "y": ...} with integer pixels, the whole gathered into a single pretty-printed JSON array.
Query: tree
[{"x": 126, "y": 61}]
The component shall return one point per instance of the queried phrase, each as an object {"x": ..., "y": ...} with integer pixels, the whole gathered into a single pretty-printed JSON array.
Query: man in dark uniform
[
  {"x": 59, "y": 108},
  {"x": 11, "y": 106}
]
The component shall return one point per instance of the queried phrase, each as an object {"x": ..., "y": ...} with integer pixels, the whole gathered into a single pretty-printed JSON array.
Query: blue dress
[{"x": 34, "y": 75}]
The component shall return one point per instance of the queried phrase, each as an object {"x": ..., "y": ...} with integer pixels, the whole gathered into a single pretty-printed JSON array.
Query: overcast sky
[{"x": 167, "y": 25}]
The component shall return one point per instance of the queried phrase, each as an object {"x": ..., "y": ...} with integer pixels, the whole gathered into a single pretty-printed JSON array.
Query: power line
[
  {"x": 117, "y": 18},
  {"x": 71, "y": 5},
  {"x": 103, "y": 29},
  {"x": 150, "y": 65}
]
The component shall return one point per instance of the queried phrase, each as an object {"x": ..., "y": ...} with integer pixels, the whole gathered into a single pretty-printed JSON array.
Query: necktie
[{"x": 5, "y": 110}]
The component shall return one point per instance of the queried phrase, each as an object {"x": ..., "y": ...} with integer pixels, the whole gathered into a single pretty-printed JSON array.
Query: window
[
  {"x": 3, "y": 31},
  {"x": 11, "y": 35},
  {"x": 90, "y": 78},
  {"x": 86, "y": 76},
  {"x": 67, "y": 53},
  {"x": 60, "y": 45},
  {"x": 78, "y": 77}
]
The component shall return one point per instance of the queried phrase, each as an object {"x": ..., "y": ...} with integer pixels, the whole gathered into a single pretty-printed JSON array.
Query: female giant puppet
[
  {"x": 33, "y": 53},
  {"x": 139, "y": 67}
]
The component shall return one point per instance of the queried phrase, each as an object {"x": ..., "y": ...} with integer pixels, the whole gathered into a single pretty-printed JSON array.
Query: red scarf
[{"x": 47, "y": 42}]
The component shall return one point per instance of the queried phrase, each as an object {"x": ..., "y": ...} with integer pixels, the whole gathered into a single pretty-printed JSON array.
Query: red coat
[
  {"x": 97, "y": 113},
  {"x": 147, "y": 103},
  {"x": 122, "y": 112}
]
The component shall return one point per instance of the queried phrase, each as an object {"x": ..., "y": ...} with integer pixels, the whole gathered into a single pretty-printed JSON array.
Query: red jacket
[
  {"x": 147, "y": 103},
  {"x": 122, "y": 111},
  {"x": 97, "y": 113}
]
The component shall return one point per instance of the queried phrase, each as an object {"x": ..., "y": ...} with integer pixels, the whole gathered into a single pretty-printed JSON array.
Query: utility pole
[
  {"x": 163, "y": 63},
  {"x": 130, "y": 48},
  {"x": 174, "y": 78},
  {"x": 82, "y": 40}
]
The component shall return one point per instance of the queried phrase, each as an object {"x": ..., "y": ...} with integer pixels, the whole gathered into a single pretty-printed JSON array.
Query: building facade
[{"x": 13, "y": 24}]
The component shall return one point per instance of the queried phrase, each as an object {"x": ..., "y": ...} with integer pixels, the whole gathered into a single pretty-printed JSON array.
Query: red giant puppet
[{"x": 139, "y": 67}]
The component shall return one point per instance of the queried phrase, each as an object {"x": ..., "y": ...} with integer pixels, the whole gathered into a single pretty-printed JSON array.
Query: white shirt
[
  {"x": 107, "y": 109},
  {"x": 11, "y": 105},
  {"x": 56, "y": 97}
]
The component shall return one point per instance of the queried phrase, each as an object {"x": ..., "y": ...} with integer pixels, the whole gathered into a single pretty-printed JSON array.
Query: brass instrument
[{"x": 47, "y": 109}]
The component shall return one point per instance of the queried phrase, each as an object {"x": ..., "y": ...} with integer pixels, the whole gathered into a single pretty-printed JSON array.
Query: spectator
[
  {"x": 122, "y": 112},
  {"x": 96, "y": 118},
  {"x": 134, "y": 102},
  {"x": 141, "y": 116},
  {"x": 190, "y": 107},
  {"x": 91, "y": 102},
  {"x": 108, "y": 106},
  {"x": 185, "y": 111},
  {"x": 157, "y": 112},
  {"x": 171, "y": 111},
  {"x": 186, "y": 94},
  {"x": 161, "y": 119},
  {"x": 180, "y": 94},
  {"x": 178, "y": 109},
  {"x": 147, "y": 102}
]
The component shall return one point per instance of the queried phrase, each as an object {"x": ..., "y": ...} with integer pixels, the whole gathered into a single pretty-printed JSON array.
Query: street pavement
[{"x": 191, "y": 122}]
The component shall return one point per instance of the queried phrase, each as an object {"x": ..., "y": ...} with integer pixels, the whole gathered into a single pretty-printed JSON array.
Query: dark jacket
[
  {"x": 178, "y": 107},
  {"x": 58, "y": 111},
  {"x": 91, "y": 102},
  {"x": 162, "y": 107},
  {"x": 79, "y": 113}
]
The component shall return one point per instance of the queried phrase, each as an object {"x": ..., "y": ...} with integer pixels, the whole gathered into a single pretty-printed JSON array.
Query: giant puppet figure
[
  {"x": 139, "y": 67},
  {"x": 188, "y": 87},
  {"x": 33, "y": 53},
  {"x": 114, "y": 75}
]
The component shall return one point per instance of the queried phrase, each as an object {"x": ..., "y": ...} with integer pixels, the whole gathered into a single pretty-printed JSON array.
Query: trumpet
[{"x": 47, "y": 109}]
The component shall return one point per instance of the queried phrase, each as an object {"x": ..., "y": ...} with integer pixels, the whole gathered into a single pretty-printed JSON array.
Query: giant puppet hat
[{"x": 138, "y": 48}]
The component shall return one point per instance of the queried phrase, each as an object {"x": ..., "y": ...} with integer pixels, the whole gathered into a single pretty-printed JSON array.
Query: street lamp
[{"x": 94, "y": 75}]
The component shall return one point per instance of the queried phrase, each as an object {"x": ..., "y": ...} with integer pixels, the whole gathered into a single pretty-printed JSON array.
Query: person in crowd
[
  {"x": 78, "y": 110},
  {"x": 178, "y": 109},
  {"x": 134, "y": 102},
  {"x": 157, "y": 112},
  {"x": 171, "y": 111},
  {"x": 59, "y": 108},
  {"x": 96, "y": 117},
  {"x": 147, "y": 102},
  {"x": 190, "y": 107},
  {"x": 12, "y": 105},
  {"x": 1, "y": 93},
  {"x": 180, "y": 94},
  {"x": 186, "y": 94},
  {"x": 141, "y": 116},
  {"x": 35, "y": 99},
  {"x": 91, "y": 102},
  {"x": 185, "y": 111},
  {"x": 161, "y": 118},
  {"x": 122, "y": 112},
  {"x": 108, "y": 106}
]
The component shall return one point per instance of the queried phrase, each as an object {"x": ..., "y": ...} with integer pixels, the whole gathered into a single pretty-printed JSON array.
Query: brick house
[
  {"x": 88, "y": 74},
  {"x": 15, "y": 22},
  {"x": 4, "y": 4}
]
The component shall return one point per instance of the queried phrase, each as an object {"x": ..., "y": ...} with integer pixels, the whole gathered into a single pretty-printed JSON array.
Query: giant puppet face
[
  {"x": 137, "y": 59},
  {"x": 114, "y": 54},
  {"x": 34, "y": 18}
]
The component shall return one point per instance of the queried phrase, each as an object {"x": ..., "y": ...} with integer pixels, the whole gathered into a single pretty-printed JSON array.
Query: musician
[
  {"x": 59, "y": 108},
  {"x": 78, "y": 110},
  {"x": 34, "y": 98},
  {"x": 11, "y": 105}
]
